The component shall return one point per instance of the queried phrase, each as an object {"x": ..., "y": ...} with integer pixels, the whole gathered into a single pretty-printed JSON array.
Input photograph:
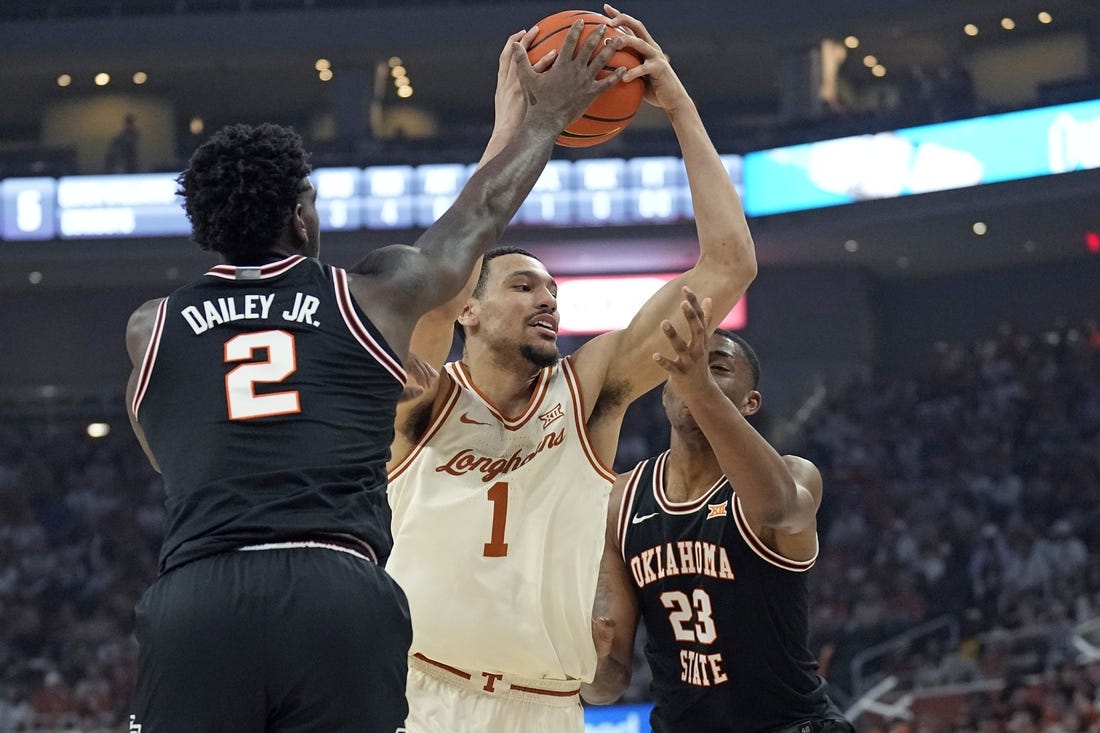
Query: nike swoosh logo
[
  {"x": 639, "y": 518},
  {"x": 465, "y": 417}
]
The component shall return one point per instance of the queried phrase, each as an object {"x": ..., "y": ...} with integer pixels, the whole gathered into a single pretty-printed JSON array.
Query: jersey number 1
[
  {"x": 498, "y": 495},
  {"x": 240, "y": 383}
]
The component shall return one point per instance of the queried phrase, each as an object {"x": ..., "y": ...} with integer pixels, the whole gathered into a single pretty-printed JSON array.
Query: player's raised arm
[
  {"x": 727, "y": 257},
  {"x": 779, "y": 493},
  {"x": 400, "y": 284}
]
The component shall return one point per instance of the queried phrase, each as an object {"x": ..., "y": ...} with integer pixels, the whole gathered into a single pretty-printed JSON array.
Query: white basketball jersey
[{"x": 498, "y": 528}]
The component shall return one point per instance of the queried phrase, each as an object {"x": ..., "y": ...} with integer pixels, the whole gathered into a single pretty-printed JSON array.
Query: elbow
[
  {"x": 737, "y": 263},
  {"x": 780, "y": 508},
  {"x": 604, "y": 693}
]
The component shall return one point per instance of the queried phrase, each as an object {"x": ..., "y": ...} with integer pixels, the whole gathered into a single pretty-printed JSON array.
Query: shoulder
[
  {"x": 805, "y": 474},
  {"x": 139, "y": 329},
  {"x": 142, "y": 319}
]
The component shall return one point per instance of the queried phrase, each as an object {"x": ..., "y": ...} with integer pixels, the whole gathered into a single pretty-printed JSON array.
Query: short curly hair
[{"x": 241, "y": 186}]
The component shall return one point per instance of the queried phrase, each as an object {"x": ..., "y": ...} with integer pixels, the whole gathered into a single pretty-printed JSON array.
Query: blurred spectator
[{"x": 122, "y": 151}]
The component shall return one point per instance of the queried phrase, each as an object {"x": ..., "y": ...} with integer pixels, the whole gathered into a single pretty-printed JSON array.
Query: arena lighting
[
  {"x": 970, "y": 29},
  {"x": 98, "y": 430},
  {"x": 1008, "y": 23},
  {"x": 1045, "y": 17},
  {"x": 1092, "y": 241},
  {"x": 597, "y": 304}
]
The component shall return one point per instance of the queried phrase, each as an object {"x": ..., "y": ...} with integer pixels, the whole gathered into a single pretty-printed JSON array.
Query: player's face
[
  {"x": 518, "y": 311},
  {"x": 730, "y": 371},
  {"x": 306, "y": 217}
]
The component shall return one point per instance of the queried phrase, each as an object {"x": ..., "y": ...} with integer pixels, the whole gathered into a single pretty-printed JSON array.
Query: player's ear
[
  {"x": 752, "y": 402},
  {"x": 299, "y": 234},
  {"x": 469, "y": 315}
]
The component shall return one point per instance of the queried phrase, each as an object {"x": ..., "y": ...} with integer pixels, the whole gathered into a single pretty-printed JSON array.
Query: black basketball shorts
[{"x": 296, "y": 640}]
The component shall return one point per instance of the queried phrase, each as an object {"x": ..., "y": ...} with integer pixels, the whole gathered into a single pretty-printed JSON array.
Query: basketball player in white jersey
[{"x": 499, "y": 479}]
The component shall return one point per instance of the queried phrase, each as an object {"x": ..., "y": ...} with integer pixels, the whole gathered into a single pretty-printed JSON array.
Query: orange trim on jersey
[
  {"x": 675, "y": 507},
  {"x": 461, "y": 375},
  {"x": 552, "y": 693},
  {"x": 272, "y": 269},
  {"x": 450, "y": 399},
  {"x": 625, "y": 506},
  {"x": 766, "y": 553},
  {"x": 360, "y": 332},
  {"x": 574, "y": 386},
  {"x": 518, "y": 688},
  {"x": 150, "y": 356},
  {"x": 444, "y": 667}
]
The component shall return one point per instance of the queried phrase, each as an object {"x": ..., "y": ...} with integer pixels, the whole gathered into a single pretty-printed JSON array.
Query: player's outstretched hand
[
  {"x": 561, "y": 93},
  {"x": 509, "y": 102},
  {"x": 662, "y": 87},
  {"x": 689, "y": 368},
  {"x": 421, "y": 376}
]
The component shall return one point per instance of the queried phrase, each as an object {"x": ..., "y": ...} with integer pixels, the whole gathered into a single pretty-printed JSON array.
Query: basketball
[{"x": 614, "y": 109}]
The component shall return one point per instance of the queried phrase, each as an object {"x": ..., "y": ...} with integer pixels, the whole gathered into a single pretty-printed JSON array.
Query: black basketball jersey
[
  {"x": 727, "y": 618},
  {"x": 268, "y": 400}
]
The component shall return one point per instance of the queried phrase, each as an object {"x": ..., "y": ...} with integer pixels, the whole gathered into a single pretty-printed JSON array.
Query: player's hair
[
  {"x": 483, "y": 277},
  {"x": 241, "y": 186},
  {"x": 747, "y": 351}
]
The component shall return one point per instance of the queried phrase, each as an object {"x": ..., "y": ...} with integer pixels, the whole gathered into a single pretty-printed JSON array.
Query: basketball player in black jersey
[
  {"x": 710, "y": 543},
  {"x": 265, "y": 393}
]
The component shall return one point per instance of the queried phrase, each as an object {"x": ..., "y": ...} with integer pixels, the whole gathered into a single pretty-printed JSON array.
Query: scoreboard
[
  {"x": 593, "y": 192},
  {"x": 606, "y": 191}
]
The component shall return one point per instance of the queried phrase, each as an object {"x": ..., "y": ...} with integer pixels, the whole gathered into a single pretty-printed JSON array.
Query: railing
[{"x": 947, "y": 623}]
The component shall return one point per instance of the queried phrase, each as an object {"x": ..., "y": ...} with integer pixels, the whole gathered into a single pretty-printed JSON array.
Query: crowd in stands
[{"x": 965, "y": 492}]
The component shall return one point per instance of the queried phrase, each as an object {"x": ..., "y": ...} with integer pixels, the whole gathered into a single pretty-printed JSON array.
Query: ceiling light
[
  {"x": 196, "y": 126},
  {"x": 979, "y": 228},
  {"x": 397, "y": 72},
  {"x": 1008, "y": 23},
  {"x": 878, "y": 70},
  {"x": 324, "y": 74},
  {"x": 394, "y": 61},
  {"x": 140, "y": 77},
  {"x": 102, "y": 79},
  {"x": 851, "y": 42},
  {"x": 98, "y": 429},
  {"x": 405, "y": 92},
  {"x": 34, "y": 277},
  {"x": 322, "y": 64},
  {"x": 851, "y": 246},
  {"x": 64, "y": 80},
  {"x": 869, "y": 61},
  {"x": 1045, "y": 17},
  {"x": 970, "y": 29}
]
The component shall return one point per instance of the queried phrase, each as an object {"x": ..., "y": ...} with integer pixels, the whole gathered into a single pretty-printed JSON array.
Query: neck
[
  {"x": 692, "y": 467},
  {"x": 272, "y": 254},
  {"x": 507, "y": 383}
]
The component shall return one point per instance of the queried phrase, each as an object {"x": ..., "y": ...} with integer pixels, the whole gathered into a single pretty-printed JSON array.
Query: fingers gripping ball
[{"x": 614, "y": 109}]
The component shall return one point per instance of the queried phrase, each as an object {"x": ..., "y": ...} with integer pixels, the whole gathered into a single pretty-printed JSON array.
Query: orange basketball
[{"x": 614, "y": 109}]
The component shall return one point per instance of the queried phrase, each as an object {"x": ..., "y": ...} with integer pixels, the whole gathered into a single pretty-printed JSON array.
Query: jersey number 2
[
  {"x": 498, "y": 495},
  {"x": 240, "y": 383}
]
